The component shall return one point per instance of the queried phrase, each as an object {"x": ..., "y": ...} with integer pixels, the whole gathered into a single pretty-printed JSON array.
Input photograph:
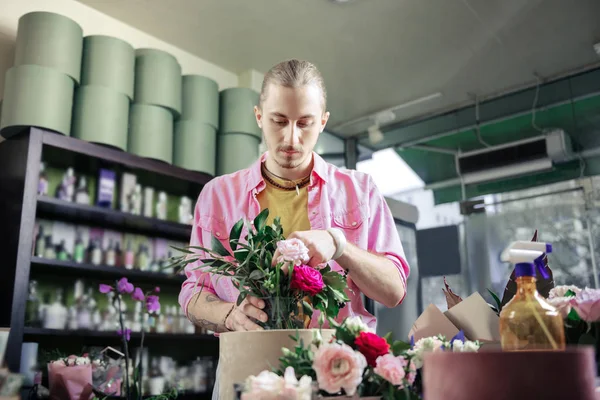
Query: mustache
[{"x": 289, "y": 148}]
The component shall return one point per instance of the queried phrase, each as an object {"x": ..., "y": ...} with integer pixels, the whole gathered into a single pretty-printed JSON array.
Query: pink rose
[
  {"x": 412, "y": 372},
  {"x": 292, "y": 250},
  {"x": 587, "y": 304},
  {"x": 307, "y": 279},
  {"x": 391, "y": 369},
  {"x": 562, "y": 304},
  {"x": 339, "y": 367}
]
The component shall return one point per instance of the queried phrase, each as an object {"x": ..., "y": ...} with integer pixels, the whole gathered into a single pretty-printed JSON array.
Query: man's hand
[
  {"x": 320, "y": 244},
  {"x": 240, "y": 318}
]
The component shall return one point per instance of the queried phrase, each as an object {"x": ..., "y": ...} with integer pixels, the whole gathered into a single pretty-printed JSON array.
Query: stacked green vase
[
  {"x": 39, "y": 88},
  {"x": 156, "y": 104},
  {"x": 101, "y": 105},
  {"x": 195, "y": 137},
  {"x": 239, "y": 135}
]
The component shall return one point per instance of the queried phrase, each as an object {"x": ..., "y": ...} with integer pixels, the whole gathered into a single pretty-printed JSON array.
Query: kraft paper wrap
[
  {"x": 195, "y": 146},
  {"x": 151, "y": 132},
  {"x": 200, "y": 100},
  {"x": 108, "y": 62},
  {"x": 50, "y": 40},
  {"x": 496, "y": 375},
  {"x": 36, "y": 96},
  {"x": 236, "y": 151},
  {"x": 157, "y": 80},
  {"x": 237, "y": 111},
  {"x": 242, "y": 354},
  {"x": 101, "y": 115}
]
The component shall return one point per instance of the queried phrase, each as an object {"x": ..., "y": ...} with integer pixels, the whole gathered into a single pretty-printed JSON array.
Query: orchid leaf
[{"x": 496, "y": 299}]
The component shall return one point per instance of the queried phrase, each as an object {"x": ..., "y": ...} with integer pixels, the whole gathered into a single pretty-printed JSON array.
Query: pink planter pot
[{"x": 497, "y": 375}]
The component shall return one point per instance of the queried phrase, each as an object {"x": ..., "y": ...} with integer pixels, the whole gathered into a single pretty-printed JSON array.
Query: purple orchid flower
[
  {"x": 157, "y": 289},
  {"x": 105, "y": 288},
  {"x": 124, "y": 286},
  {"x": 126, "y": 334},
  {"x": 138, "y": 295},
  {"x": 152, "y": 303}
]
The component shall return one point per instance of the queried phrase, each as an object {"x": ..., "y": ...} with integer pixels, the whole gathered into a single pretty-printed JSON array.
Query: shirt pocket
[
  {"x": 353, "y": 223},
  {"x": 217, "y": 228}
]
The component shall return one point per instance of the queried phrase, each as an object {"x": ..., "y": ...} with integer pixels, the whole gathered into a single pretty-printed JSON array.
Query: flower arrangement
[
  {"x": 289, "y": 287},
  {"x": 269, "y": 386},
  {"x": 151, "y": 301},
  {"x": 358, "y": 362}
]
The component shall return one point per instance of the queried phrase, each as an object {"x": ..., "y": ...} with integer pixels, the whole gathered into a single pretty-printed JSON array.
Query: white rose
[
  {"x": 422, "y": 346},
  {"x": 458, "y": 346},
  {"x": 470, "y": 346},
  {"x": 356, "y": 325},
  {"x": 561, "y": 290},
  {"x": 305, "y": 388}
]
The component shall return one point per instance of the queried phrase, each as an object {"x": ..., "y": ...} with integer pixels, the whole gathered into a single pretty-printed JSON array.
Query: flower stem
[
  {"x": 141, "y": 369},
  {"x": 125, "y": 347}
]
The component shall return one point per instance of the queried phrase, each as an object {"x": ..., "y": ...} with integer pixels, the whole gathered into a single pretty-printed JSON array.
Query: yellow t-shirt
[{"x": 291, "y": 206}]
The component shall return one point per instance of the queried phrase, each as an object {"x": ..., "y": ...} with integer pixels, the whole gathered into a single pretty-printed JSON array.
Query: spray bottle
[{"x": 527, "y": 321}]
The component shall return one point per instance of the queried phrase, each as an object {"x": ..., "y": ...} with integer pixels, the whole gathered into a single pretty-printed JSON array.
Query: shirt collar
[{"x": 255, "y": 176}]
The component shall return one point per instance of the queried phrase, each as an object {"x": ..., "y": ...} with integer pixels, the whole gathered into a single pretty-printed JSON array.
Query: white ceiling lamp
[{"x": 379, "y": 119}]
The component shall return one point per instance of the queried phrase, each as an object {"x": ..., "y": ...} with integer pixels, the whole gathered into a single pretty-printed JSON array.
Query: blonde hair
[{"x": 292, "y": 74}]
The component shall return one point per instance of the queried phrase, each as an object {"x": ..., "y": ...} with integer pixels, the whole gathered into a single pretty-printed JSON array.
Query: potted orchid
[
  {"x": 151, "y": 302},
  {"x": 357, "y": 363},
  {"x": 288, "y": 286}
]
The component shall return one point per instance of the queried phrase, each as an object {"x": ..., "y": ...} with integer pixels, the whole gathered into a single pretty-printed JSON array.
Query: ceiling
[{"x": 378, "y": 54}]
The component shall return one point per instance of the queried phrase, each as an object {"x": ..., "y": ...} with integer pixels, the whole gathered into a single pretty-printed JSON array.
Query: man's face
[{"x": 291, "y": 120}]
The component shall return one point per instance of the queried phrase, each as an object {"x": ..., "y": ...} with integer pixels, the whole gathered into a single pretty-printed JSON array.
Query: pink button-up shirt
[{"x": 345, "y": 199}]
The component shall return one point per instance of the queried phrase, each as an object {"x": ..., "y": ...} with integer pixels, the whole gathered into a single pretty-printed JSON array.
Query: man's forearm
[
  {"x": 208, "y": 311},
  {"x": 376, "y": 276}
]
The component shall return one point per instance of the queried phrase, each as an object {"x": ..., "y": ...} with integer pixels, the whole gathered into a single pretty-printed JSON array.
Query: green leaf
[
  {"x": 570, "y": 293},
  {"x": 307, "y": 308},
  {"x": 388, "y": 338},
  {"x": 398, "y": 347},
  {"x": 218, "y": 248},
  {"x": 496, "y": 299},
  {"x": 235, "y": 233},
  {"x": 257, "y": 274},
  {"x": 241, "y": 298},
  {"x": 587, "y": 339},
  {"x": 261, "y": 220},
  {"x": 573, "y": 316}
]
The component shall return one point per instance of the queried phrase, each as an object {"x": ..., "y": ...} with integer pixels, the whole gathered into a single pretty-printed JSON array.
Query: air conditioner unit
[{"x": 514, "y": 159}]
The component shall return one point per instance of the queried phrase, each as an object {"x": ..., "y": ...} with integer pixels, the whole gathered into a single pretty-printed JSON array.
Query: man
[{"x": 339, "y": 214}]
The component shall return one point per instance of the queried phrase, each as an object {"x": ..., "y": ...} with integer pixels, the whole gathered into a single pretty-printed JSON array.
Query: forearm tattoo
[{"x": 205, "y": 323}]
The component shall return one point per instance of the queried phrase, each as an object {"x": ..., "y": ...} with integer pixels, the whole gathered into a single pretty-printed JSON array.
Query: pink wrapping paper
[{"x": 70, "y": 382}]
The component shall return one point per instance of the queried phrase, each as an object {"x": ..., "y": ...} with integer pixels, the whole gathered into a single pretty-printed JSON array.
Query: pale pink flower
[
  {"x": 391, "y": 368},
  {"x": 270, "y": 386},
  {"x": 339, "y": 367},
  {"x": 293, "y": 251},
  {"x": 587, "y": 304},
  {"x": 561, "y": 291},
  {"x": 562, "y": 304},
  {"x": 412, "y": 372}
]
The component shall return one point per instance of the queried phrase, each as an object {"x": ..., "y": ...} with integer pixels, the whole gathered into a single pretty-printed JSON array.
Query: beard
[{"x": 289, "y": 161}]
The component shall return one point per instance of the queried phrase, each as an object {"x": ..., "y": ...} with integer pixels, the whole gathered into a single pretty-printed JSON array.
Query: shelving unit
[{"x": 20, "y": 205}]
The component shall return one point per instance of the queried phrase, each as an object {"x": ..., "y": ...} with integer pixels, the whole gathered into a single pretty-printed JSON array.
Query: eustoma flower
[
  {"x": 339, "y": 367},
  {"x": 293, "y": 251}
]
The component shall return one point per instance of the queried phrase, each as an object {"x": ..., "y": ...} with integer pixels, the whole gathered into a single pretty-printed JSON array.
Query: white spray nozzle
[{"x": 521, "y": 251}]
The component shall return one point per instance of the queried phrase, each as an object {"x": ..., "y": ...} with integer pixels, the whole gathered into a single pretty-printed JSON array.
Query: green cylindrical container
[
  {"x": 195, "y": 146},
  {"x": 200, "y": 100},
  {"x": 236, "y": 151},
  {"x": 151, "y": 132},
  {"x": 101, "y": 115},
  {"x": 36, "y": 96},
  {"x": 108, "y": 62},
  {"x": 158, "y": 80},
  {"x": 50, "y": 40},
  {"x": 237, "y": 111}
]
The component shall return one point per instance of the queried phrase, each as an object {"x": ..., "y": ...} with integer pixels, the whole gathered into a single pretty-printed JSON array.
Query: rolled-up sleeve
[
  {"x": 383, "y": 234},
  {"x": 197, "y": 279}
]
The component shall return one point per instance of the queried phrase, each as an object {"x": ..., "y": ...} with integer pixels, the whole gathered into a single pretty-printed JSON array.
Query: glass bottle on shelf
[
  {"x": 143, "y": 258},
  {"x": 40, "y": 243},
  {"x": 137, "y": 317},
  {"x": 79, "y": 250},
  {"x": 160, "y": 322},
  {"x": 43, "y": 181},
  {"x": 110, "y": 255},
  {"x": 118, "y": 254},
  {"x": 84, "y": 314},
  {"x": 33, "y": 306},
  {"x": 72, "y": 319},
  {"x": 96, "y": 258},
  {"x": 129, "y": 256},
  {"x": 81, "y": 194},
  {"x": 55, "y": 315},
  {"x": 49, "y": 252},
  {"x": 61, "y": 251}
]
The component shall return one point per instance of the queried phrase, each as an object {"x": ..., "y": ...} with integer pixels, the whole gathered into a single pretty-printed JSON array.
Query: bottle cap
[{"x": 524, "y": 269}]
